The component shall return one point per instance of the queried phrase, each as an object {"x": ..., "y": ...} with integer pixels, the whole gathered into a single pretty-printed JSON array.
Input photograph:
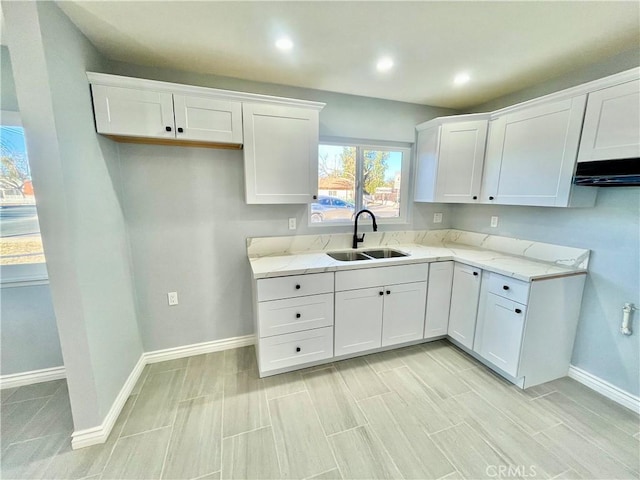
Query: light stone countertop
[{"x": 524, "y": 260}]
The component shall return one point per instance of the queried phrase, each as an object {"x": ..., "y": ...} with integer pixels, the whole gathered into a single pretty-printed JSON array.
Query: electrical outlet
[
  {"x": 494, "y": 222},
  {"x": 292, "y": 223},
  {"x": 437, "y": 218},
  {"x": 173, "y": 298}
]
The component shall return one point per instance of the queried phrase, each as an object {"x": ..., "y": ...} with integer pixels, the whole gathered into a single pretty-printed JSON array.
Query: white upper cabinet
[
  {"x": 612, "y": 124},
  {"x": 531, "y": 154},
  {"x": 207, "y": 119},
  {"x": 133, "y": 112},
  {"x": 450, "y": 154},
  {"x": 280, "y": 153}
]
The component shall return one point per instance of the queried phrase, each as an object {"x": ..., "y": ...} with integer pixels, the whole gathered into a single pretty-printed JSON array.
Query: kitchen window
[
  {"x": 356, "y": 176},
  {"x": 21, "y": 252}
]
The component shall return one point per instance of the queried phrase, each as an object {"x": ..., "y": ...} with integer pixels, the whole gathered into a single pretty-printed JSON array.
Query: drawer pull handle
[
  {"x": 518, "y": 310},
  {"x": 297, "y": 315},
  {"x": 298, "y": 349},
  {"x": 381, "y": 293},
  {"x": 388, "y": 292},
  {"x": 505, "y": 287},
  {"x": 475, "y": 274},
  {"x": 297, "y": 287}
]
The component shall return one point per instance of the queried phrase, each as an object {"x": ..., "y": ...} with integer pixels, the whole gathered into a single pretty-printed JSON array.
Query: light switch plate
[
  {"x": 494, "y": 222},
  {"x": 172, "y": 297},
  {"x": 437, "y": 218},
  {"x": 292, "y": 223}
]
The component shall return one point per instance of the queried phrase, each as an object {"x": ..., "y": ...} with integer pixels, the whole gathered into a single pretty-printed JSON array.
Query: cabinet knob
[
  {"x": 180, "y": 129},
  {"x": 475, "y": 197},
  {"x": 298, "y": 349},
  {"x": 381, "y": 293},
  {"x": 518, "y": 310},
  {"x": 475, "y": 274},
  {"x": 297, "y": 287},
  {"x": 490, "y": 198},
  {"x": 505, "y": 287},
  {"x": 297, "y": 315},
  {"x": 388, "y": 292},
  {"x": 315, "y": 197},
  {"x": 168, "y": 129}
]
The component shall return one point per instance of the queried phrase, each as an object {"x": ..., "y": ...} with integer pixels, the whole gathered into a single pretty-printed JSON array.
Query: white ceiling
[{"x": 504, "y": 46}]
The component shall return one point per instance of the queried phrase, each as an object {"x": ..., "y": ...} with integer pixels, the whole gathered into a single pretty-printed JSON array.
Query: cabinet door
[
  {"x": 358, "y": 320},
  {"x": 460, "y": 161},
  {"x": 531, "y": 154},
  {"x": 133, "y": 113},
  {"x": 612, "y": 124},
  {"x": 280, "y": 153},
  {"x": 464, "y": 304},
  {"x": 500, "y": 339},
  {"x": 403, "y": 313},
  {"x": 208, "y": 120},
  {"x": 436, "y": 320}
]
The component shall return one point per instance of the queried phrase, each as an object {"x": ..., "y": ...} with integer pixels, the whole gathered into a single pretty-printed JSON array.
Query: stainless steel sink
[
  {"x": 366, "y": 255},
  {"x": 348, "y": 256},
  {"x": 384, "y": 253}
]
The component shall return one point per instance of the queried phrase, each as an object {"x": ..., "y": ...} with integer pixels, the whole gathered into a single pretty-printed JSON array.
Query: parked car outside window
[{"x": 332, "y": 209}]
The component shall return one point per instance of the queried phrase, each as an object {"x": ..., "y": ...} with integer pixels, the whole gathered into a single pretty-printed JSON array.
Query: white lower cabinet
[
  {"x": 283, "y": 351},
  {"x": 526, "y": 330},
  {"x": 500, "y": 339},
  {"x": 464, "y": 304},
  {"x": 370, "y": 314},
  {"x": 436, "y": 320},
  {"x": 293, "y": 321},
  {"x": 358, "y": 320},
  {"x": 403, "y": 313}
]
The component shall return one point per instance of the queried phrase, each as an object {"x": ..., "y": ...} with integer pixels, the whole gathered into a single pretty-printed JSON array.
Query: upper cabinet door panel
[
  {"x": 531, "y": 154},
  {"x": 208, "y": 120},
  {"x": 460, "y": 161},
  {"x": 132, "y": 112},
  {"x": 612, "y": 124},
  {"x": 280, "y": 153}
]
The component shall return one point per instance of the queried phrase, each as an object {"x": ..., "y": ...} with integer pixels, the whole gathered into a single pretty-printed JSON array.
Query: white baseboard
[
  {"x": 605, "y": 388},
  {"x": 198, "y": 349},
  {"x": 99, "y": 434},
  {"x": 34, "y": 376}
]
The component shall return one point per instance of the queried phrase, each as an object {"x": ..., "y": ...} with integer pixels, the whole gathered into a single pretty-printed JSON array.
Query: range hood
[{"x": 609, "y": 173}]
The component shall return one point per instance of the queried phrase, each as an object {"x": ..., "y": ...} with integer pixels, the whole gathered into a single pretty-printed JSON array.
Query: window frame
[
  {"x": 21, "y": 274},
  {"x": 405, "y": 180}
]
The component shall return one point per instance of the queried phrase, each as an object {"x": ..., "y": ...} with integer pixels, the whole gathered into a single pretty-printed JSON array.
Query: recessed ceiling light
[
  {"x": 284, "y": 43},
  {"x": 384, "y": 64},
  {"x": 461, "y": 78}
]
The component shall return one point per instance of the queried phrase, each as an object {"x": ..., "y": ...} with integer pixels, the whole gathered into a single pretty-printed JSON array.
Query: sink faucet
[{"x": 356, "y": 238}]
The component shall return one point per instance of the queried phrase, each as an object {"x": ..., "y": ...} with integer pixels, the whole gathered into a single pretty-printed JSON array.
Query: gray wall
[
  {"x": 188, "y": 221},
  {"x": 28, "y": 331},
  {"x": 611, "y": 230},
  {"x": 82, "y": 224}
]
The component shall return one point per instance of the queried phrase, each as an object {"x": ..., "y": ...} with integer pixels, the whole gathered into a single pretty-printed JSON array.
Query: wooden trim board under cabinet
[{"x": 172, "y": 143}]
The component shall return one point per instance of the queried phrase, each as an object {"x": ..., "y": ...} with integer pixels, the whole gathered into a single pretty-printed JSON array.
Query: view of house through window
[
  {"x": 353, "y": 177},
  {"x": 20, "y": 241}
]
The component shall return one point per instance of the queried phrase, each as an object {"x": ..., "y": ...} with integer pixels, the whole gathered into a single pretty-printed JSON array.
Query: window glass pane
[
  {"x": 336, "y": 184},
  {"x": 20, "y": 240},
  {"x": 382, "y": 172}
]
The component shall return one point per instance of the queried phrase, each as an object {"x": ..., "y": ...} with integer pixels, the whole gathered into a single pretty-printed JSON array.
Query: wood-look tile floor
[{"x": 423, "y": 412}]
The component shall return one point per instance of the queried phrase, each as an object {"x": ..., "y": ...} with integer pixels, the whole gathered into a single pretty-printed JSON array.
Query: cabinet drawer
[
  {"x": 297, "y": 348},
  {"x": 373, "y": 277},
  {"x": 295, "y": 314},
  {"x": 294, "y": 286},
  {"x": 510, "y": 288}
]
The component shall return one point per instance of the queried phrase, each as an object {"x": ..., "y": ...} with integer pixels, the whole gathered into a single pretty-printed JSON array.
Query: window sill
[{"x": 25, "y": 275}]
